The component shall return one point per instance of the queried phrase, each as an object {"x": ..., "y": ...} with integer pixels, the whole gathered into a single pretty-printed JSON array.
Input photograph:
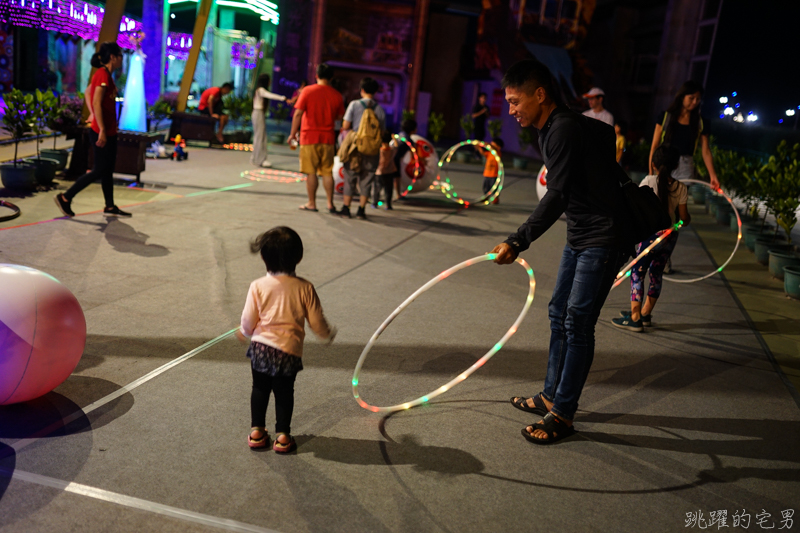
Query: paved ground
[{"x": 691, "y": 416}]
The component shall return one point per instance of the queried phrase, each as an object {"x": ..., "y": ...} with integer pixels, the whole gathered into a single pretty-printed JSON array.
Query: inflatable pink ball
[{"x": 42, "y": 333}]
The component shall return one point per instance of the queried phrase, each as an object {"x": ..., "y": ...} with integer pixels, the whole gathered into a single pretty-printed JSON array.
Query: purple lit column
[{"x": 155, "y": 23}]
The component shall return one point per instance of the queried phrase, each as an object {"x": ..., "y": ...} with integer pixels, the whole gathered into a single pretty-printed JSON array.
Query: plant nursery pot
[
  {"x": 520, "y": 163},
  {"x": 461, "y": 157},
  {"x": 45, "y": 169},
  {"x": 59, "y": 155},
  {"x": 764, "y": 244},
  {"x": 778, "y": 260},
  {"x": 752, "y": 234},
  {"x": 699, "y": 194},
  {"x": 277, "y": 138},
  {"x": 21, "y": 177},
  {"x": 724, "y": 214},
  {"x": 734, "y": 224},
  {"x": 714, "y": 204},
  {"x": 791, "y": 281}
]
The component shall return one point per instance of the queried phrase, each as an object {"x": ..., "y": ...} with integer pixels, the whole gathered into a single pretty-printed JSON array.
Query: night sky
[{"x": 757, "y": 54}]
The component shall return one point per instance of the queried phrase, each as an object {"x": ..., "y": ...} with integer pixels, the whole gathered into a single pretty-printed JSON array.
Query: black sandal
[
  {"x": 555, "y": 428},
  {"x": 539, "y": 408}
]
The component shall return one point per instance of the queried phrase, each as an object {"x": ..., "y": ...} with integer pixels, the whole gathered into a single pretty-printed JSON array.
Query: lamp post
[{"x": 793, "y": 113}]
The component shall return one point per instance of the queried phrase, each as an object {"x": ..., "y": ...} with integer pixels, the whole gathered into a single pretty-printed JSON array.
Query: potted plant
[
  {"x": 53, "y": 116},
  {"x": 780, "y": 179},
  {"x": 468, "y": 127},
  {"x": 161, "y": 110},
  {"x": 495, "y": 127},
  {"x": 409, "y": 114},
  {"x": 45, "y": 167},
  {"x": 791, "y": 281},
  {"x": 19, "y": 111},
  {"x": 526, "y": 140},
  {"x": 279, "y": 112},
  {"x": 436, "y": 126}
]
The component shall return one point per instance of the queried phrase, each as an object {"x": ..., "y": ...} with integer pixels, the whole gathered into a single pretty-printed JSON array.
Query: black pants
[
  {"x": 283, "y": 388},
  {"x": 105, "y": 159},
  {"x": 385, "y": 182}
]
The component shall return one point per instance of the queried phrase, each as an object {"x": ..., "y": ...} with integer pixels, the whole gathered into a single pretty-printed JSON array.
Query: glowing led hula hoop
[
  {"x": 447, "y": 188},
  {"x": 626, "y": 272},
  {"x": 417, "y": 166},
  {"x": 281, "y": 176},
  {"x": 464, "y": 375}
]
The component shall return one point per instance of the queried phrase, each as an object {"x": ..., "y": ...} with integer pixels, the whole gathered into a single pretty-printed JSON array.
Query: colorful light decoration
[
  {"x": 240, "y": 147},
  {"x": 447, "y": 188},
  {"x": 72, "y": 17},
  {"x": 417, "y": 167},
  {"x": 464, "y": 375},
  {"x": 626, "y": 271},
  {"x": 281, "y": 176},
  {"x": 245, "y": 55}
]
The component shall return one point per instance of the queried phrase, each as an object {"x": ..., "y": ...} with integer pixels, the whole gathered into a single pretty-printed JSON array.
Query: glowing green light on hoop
[{"x": 464, "y": 375}]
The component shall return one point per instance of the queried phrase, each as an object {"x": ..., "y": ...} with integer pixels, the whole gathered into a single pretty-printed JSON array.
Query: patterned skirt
[{"x": 272, "y": 361}]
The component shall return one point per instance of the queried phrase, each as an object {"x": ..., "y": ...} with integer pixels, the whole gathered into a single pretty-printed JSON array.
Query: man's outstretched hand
[{"x": 505, "y": 254}]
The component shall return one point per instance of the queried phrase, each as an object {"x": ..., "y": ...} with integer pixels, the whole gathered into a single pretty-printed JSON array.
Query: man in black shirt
[
  {"x": 480, "y": 113},
  {"x": 579, "y": 153}
]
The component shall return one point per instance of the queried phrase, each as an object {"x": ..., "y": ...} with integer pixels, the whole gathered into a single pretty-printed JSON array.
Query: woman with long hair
[
  {"x": 258, "y": 117},
  {"x": 102, "y": 93},
  {"x": 674, "y": 195},
  {"x": 682, "y": 127}
]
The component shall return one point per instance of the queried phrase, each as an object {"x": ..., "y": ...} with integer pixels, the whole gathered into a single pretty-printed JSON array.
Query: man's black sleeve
[{"x": 563, "y": 147}]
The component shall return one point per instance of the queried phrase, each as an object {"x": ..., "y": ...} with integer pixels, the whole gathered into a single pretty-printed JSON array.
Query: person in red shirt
[
  {"x": 316, "y": 111},
  {"x": 211, "y": 105},
  {"x": 103, "y": 94}
]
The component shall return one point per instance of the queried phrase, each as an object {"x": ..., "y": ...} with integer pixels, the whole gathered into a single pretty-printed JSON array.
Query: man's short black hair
[
  {"x": 370, "y": 86},
  {"x": 481, "y": 94},
  {"x": 409, "y": 126},
  {"x": 281, "y": 249},
  {"x": 227, "y": 85},
  {"x": 324, "y": 71},
  {"x": 530, "y": 74},
  {"x": 386, "y": 136}
]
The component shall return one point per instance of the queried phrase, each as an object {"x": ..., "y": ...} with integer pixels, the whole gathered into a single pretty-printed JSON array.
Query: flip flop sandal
[
  {"x": 555, "y": 428},
  {"x": 305, "y": 208},
  {"x": 284, "y": 448},
  {"x": 521, "y": 403},
  {"x": 258, "y": 443}
]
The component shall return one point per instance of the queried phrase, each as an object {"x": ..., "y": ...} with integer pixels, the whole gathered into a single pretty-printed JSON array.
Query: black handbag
[{"x": 641, "y": 214}]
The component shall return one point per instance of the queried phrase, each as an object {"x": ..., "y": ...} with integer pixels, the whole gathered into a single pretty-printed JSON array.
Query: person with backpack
[
  {"x": 367, "y": 119},
  {"x": 581, "y": 183},
  {"x": 673, "y": 196},
  {"x": 682, "y": 127}
]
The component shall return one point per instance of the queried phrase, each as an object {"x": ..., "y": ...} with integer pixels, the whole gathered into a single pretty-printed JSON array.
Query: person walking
[
  {"x": 103, "y": 94},
  {"x": 262, "y": 93},
  {"x": 274, "y": 317},
  {"x": 387, "y": 171},
  {"x": 682, "y": 126},
  {"x": 316, "y": 112},
  {"x": 579, "y": 154},
  {"x": 480, "y": 114},
  {"x": 364, "y": 108},
  {"x": 596, "y": 97},
  {"x": 211, "y": 105},
  {"x": 674, "y": 195}
]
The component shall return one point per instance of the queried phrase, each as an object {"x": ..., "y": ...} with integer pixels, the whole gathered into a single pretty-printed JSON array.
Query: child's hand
[{"x": 241, "y": 337}]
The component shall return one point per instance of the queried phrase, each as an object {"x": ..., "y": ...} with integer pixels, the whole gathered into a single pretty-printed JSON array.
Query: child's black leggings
[{"x": 283, "y": 388}]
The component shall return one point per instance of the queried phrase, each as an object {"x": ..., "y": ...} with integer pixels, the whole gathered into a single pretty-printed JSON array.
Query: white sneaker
[{"x": 266, "y": 164}]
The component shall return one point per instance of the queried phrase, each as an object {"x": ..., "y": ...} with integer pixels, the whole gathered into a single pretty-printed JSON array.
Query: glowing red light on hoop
[{"x": 464, "y": 375}]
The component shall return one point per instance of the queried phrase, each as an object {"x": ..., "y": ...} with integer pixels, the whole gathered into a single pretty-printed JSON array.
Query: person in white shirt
[
  {"x": 596, "y": 110},
  {"x": 259, "y": 157}
]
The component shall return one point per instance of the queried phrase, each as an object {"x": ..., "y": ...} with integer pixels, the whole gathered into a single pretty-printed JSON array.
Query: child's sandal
[
  {"x": 258, "y": 443},
  {"x": 279, "y": 447}
]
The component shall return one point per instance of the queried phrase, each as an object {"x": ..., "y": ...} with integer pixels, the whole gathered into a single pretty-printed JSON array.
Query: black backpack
[{"x": 640, "y": 213}]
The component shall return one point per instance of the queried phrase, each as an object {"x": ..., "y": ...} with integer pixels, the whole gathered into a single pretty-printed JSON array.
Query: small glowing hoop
[
  {"x": 464, "y": 375},
  {"x": 626, "y": 271},
  {"x": 447, "y": 188},
  {"x": 239, "y": 147},
  {"x": 417, "y": 166},
  {"x": 281, "y": 176}
]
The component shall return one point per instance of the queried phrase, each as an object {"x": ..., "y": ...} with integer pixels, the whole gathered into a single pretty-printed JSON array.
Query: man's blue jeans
[{"x": 584, "y": 280}]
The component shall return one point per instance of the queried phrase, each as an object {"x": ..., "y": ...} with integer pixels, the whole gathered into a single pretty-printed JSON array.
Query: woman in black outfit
[{"x": 102, "y": 93}]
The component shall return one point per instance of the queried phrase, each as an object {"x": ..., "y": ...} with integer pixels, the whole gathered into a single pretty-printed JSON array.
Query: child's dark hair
[
  {"x": 499, "y": 142},
  {"x": 623, "y": 127},
  {"x": 665, "y": 158},
  {"x": 281, "y": 249},
  {"x": 227, "y": 85},
  {"x": 386, "y": 136},
  {"x": 370, "y": 86},
  {"x": 104, "y": 53},
  {"x": 409, "y": 126}
]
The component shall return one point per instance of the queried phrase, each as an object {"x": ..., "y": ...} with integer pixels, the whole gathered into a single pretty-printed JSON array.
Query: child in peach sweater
[{"x": 274, "y": 317}]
